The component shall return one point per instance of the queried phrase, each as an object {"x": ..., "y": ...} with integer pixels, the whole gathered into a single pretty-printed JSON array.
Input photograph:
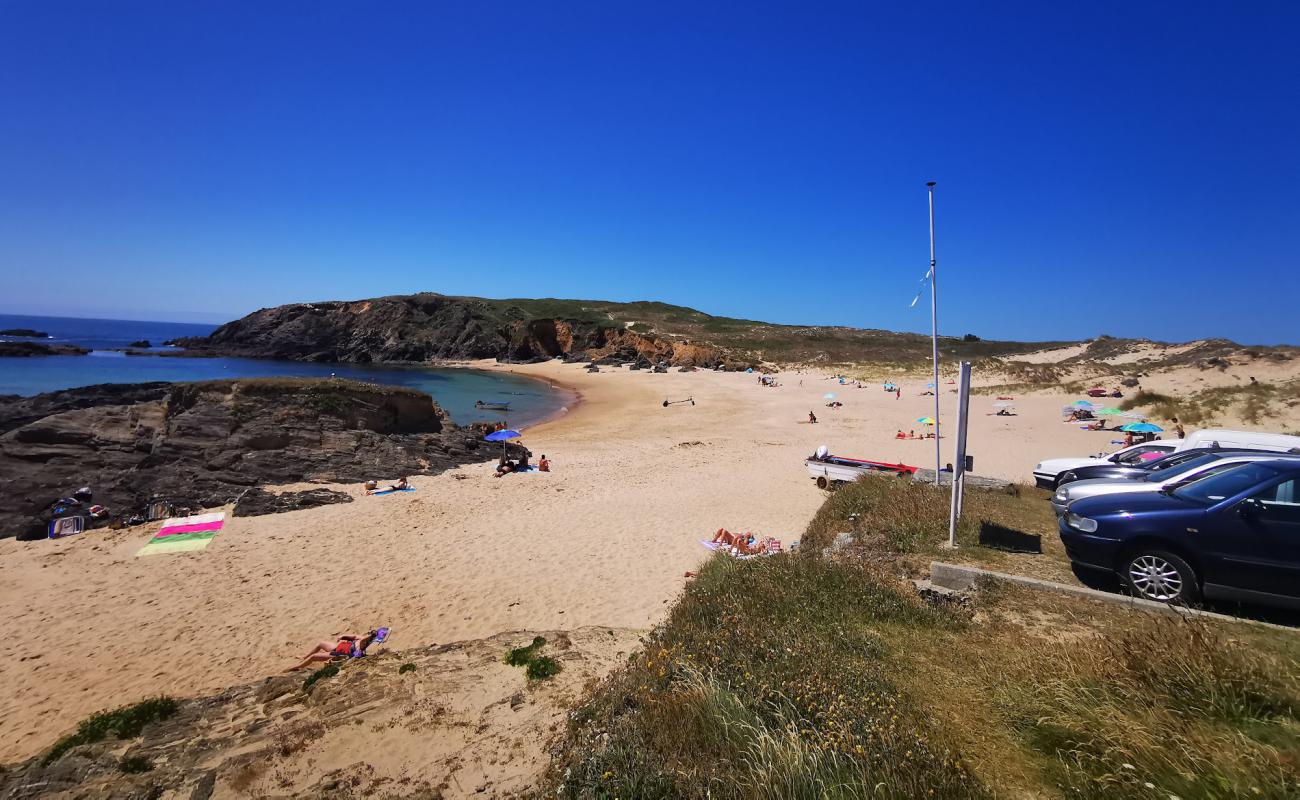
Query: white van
[
  {"x": 1047, "y": 472},
  {"x": 1241, "y": 440}
]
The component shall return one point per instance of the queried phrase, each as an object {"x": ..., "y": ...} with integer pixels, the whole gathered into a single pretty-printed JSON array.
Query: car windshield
[
  {"x": 1174, "y": 471},
  {"x": 1139, "y": 455},
  {"x": 1214, "y": 488}
]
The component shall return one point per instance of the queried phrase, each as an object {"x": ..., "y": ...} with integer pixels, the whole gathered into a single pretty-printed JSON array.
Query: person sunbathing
[
  {"x": 743, "y": 543},
  {"x": 349, "y": 645},
  {"x": 504, "y": 466}
]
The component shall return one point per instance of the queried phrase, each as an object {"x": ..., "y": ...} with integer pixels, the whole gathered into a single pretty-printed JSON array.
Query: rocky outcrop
[
  {"x": 28, "y": 349},
  {"x": 430, "y": 327},
  {"x": 202, "y": 445},
  {"x": 259, "y": 502}
]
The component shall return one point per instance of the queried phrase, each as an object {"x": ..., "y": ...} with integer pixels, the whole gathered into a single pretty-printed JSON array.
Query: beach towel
[
  {"x": 67, "y": 526},
  {"x": 390, "y": 491},
  {"x": 182, "y": 534}
]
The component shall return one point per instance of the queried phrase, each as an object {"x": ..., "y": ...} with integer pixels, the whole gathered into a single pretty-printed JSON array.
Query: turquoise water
[{"x": 456, "y": 390}]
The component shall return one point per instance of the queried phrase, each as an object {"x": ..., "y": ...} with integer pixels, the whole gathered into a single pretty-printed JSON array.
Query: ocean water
[{"x": 456, "y": 390}]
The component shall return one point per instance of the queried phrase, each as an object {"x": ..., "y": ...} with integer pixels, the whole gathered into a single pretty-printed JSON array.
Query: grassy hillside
[
  {"x": 804, "y": 676},
  {"x": 763, "y": 340}
]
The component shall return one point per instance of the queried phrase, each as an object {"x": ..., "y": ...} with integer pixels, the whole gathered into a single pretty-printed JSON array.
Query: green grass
[
  {"x": 536, "y": 666},
  {"x": 327, "y": 671},
  {"x": 122, "y": 723},
  {"x": 799, "y": 676},
  {"x": 769, "y": 679}
]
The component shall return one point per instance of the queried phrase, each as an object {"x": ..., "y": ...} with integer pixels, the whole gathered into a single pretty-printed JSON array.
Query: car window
[
  {"x": 1225, "y": 484},
  {"x": 1281, "y": 503},
  {"x": 1136, "y": 455},
  {"x": 1204, "y": 473},
  {"x": 1175, "y": 460},
  {"x": 1186, "y": 466}
]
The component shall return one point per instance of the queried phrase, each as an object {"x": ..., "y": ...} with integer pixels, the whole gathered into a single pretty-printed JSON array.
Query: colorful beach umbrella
[
  {"x": 1083, "y": 404},
  {"x": 925, "y": 420},
  {"x": 1141, "y": 427},
  {"x": 502, "y": 435},
  {"x": 1110, "y": 412},
  {"x": 1133, "y": 415},
  {"x": 829, "y": 396}
]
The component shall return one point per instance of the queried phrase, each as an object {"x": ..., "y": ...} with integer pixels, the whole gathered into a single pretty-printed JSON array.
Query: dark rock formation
[
  {"x": 258, "y": 502},
  {"x": 25, "y": 332},
  {"x": 428, "y": 327},
  {"x": 140, "y": 343},
  {"x": 201, "y": 445},
  {"x": 24, "y": 349},
  {"x": 23, "y": 410}
]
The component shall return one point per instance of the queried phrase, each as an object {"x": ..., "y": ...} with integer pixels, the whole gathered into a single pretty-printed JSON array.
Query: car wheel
[{"x": 1161, "y": 576}]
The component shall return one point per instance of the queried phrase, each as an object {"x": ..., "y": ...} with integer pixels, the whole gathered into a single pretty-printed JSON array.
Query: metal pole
[{"x": 934, "y": 336}]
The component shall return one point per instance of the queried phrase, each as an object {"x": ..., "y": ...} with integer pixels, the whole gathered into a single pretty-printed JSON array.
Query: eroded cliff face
[
  {"x": 203, "y": 444},
  {"x": 432, "y": 327}
]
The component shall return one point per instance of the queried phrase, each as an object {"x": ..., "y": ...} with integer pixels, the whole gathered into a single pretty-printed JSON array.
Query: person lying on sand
[
  {"x": 744, "y": 543},
  {"x": 504, "y": 466},
  {"x": 349, "y": 645}
]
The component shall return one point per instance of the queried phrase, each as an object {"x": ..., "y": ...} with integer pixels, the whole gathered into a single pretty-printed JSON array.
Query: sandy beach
[{"x": 603, "y": 540}]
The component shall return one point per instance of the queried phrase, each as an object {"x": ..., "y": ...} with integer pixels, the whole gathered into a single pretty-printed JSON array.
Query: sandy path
[{"x": 603, "y": 540}]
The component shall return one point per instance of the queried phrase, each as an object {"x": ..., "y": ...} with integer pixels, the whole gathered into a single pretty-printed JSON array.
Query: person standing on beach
[{"x": 898, "y": 394}]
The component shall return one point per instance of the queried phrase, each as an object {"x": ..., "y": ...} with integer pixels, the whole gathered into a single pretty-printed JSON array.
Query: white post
[
  {"x": 959, "y": 460},
  {"x": 934, "y": 336}
]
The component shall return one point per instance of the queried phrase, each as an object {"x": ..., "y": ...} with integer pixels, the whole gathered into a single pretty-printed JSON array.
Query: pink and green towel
[{"x": 180, "y": 534}]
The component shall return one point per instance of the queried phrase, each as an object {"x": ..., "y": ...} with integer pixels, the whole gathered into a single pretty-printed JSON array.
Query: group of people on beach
[{"x": 506, "y": 465}]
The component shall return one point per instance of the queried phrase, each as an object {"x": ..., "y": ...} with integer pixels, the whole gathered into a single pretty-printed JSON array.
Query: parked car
[
  {"x": 1233, "y": 535},
  {"x": 1136, "y": 471},
  {"x": 1243, "y": 440},
  {"x": 1047, "y": 472},
  {"x": 1202, "y": 465}
]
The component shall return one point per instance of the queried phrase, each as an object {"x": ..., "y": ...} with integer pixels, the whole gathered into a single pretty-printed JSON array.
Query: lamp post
[{"x": 934, "y": 335}]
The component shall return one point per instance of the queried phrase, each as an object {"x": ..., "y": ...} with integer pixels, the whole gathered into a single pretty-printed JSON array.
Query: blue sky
[{"x": 1112, "y": 167}]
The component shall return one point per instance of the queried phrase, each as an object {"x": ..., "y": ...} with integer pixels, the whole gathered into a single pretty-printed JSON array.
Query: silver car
[{"x": 1201, "y": 467}]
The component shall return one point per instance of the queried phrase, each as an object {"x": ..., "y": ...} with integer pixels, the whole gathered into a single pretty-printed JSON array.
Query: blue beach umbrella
[
  {"x": 829, "y": 396},
  {"x": 501, "y": 436},
  {"x": 1141, "y": 427}
]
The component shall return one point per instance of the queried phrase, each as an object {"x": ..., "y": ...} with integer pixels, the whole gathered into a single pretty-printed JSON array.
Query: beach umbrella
[
  {"x": 502, "y": 435},
  {"x": 929, "y": 386},
  {"x": 1083, "y": 404},
  {"x": 829, "y": 396},
  {"x": 1133, "y": 415},
  {"x": 1110, "y": 412},
  {"x": 1142, "y": 427},
  {"x": 1003, "y": 404},
  {"x": 925, "y": 420}
]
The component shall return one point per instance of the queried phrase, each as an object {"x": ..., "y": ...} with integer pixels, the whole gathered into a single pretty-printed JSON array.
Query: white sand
[{"x": 602, "y": 540}]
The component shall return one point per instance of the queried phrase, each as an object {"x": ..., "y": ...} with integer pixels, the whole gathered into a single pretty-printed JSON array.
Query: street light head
[{"x": 930, "y": 184}]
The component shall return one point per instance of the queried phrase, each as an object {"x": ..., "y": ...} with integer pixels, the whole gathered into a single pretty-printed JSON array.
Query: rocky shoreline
[{"x": 203, "y": 445}]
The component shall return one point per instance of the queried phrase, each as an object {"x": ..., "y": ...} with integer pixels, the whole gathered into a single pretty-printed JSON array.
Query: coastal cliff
[
  {"x": 430, "y": 327},
  {"x": 201, "y": 445}
]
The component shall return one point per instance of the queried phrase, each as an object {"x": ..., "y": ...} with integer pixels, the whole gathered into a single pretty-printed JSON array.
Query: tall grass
[
  {"x": 767, "y": 680},
  {"x": 1169, "y": 709}
]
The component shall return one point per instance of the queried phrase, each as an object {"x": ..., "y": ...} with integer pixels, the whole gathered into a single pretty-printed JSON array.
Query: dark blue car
[{"x": 1234, "y": 535}]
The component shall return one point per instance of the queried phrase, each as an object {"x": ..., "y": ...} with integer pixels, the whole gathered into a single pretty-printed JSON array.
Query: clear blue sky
[{"x": 1113, "y": 167}]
